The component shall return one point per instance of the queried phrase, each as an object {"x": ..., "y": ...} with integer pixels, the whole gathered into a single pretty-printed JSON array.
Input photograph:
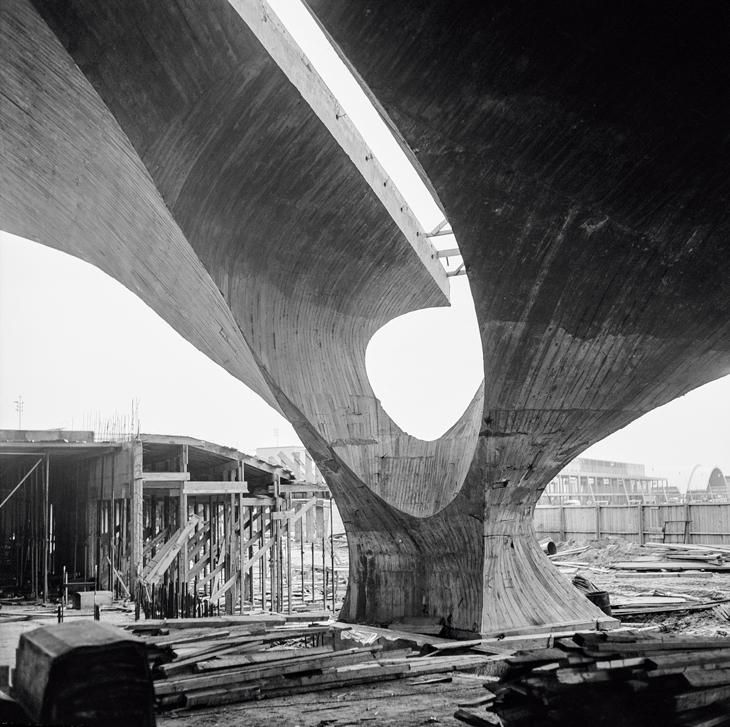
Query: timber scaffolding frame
[{"x": 184, "y": 527}]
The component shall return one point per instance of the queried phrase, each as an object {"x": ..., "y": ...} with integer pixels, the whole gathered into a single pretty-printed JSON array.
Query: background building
[{"x": 602, "y": 482}]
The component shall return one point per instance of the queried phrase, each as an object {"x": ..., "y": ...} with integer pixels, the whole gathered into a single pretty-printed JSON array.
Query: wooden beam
[
  {"x": 302, "y": 511},
  {"x": 211, "y": 575},
  {"x": 224, "y": 588},
  {"x": 260, "y": 552},
  {"x": 161, "y": 562},
  {"x": 303, "y": 487},
  {"x": 258, "y": 501},
  {"x": 220, "y": 487},
  {"x": 151, "y": 477},
  {"x": 25, "y": 477},
  {"x": 195, "y": 570}
]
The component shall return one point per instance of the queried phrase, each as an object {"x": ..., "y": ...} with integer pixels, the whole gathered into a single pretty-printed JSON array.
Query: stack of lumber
[
  {"x": 680, "y": 557},
  {"x": 570, "y": 567},
  {"x": 612, "y": 678},
  {"x": 83, "y": 673},
  {"x": 648, "y": 602},
  {"x": 200, "y": 665}
]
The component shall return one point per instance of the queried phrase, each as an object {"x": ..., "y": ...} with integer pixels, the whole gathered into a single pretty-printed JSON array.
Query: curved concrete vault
[{"x": 164, "y": 143}]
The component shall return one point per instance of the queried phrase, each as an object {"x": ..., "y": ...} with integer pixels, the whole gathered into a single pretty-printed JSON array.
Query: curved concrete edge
[
  {"x": 280, "y": 45},
  {"x": 70, "y": 179}
]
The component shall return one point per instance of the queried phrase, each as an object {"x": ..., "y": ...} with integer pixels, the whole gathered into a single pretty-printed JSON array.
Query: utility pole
[{"x": 19, "y": 405}]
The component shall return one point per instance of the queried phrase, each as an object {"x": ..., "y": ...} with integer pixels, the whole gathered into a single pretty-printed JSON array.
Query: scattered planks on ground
[
  {"x": 196, "y": 665},
  {"x": 570, "y": 551},
  {"x": 679, "y": 557},
  {"x": 612, "y": 678}
]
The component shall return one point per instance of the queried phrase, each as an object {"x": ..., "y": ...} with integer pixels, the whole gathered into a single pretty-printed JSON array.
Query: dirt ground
[
  {"x": 408, "y": 703},
  {"x": 703, "y": 586}
]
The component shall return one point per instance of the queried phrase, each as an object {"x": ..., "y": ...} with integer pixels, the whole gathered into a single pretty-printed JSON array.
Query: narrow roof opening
[{"x": 450, "y": 364}]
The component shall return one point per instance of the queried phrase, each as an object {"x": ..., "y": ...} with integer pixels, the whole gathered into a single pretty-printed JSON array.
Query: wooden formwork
[{"x": 238, "y": 553}]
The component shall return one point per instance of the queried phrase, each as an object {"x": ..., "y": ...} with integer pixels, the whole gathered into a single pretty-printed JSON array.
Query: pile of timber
[
  {"x": 680, "y": 557},
  {"x": 196, "y": 663},
  {"x": 611, "y": 678},
  {"x": 656, "y": 601},
  {"x": 83, "y": 673}
]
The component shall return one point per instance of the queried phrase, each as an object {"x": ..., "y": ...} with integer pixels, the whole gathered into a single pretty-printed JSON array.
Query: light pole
[{"x": 19, "y": 405}]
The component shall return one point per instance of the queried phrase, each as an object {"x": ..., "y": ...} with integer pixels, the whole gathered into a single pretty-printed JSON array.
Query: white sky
[{"x": 78, "y": 346}]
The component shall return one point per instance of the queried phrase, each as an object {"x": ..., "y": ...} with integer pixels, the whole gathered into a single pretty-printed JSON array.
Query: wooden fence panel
[
  {"x": 621, "y": 521},
  {"x": 707, "y": 523},
  {"x": 710, "y": 523},
  {"x": 580, "y": 522},
  {"x": 550, "y": 522}
]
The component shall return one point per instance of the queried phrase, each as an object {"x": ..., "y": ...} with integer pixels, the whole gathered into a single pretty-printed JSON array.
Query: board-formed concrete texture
[{"x": 580, "y": 155}]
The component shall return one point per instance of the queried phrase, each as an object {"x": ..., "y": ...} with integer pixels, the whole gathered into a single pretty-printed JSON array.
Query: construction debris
[
  {"x": 612, "y": 678},
  {"x": 680, "y": 557},
  {"x": 83, "y": 673},
  {"x": 206, "y": 665}
]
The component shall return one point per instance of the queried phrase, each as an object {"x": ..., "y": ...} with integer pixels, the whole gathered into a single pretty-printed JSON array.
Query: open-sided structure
[{"x": 579, "y": 152}]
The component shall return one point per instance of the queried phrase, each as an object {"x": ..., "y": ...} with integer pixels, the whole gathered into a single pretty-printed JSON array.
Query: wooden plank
[
  {"x": 347, "y": 676},
  {"x": 258, "y": 501},
  {"x": 683, "y": 660},
  {"x": 700, "y": 698},
  {"x": 302, "y": 487},
  {"x": 191, "y": 636},
  {"x": 302, "y": 511},
  {"x": 473, "y": 719},
  {"x": 256, "y": 556},
  {"x": 666, "y": 609},
  {"x": 224, "y": 588},
  {"x": 270, "y": 636},
  {"x": 159, "y": 538},
  {"x": 262, "y": 658},
  {"x": 118, "y": 577},
  {"x": 661, "y": 644},
  {"x": 257, "y": 620},
  {"x": 156, "y": 568},
  {"x": 197, "y": 568},
  {"x": 215, "y": 572},
  {"x": 168, "y": 477},
  {"x": 707, "y": 677},
  {"x": 555, "y": 627},
  {"x": 669, "y": 565},
  {"x": 162, "y": 489},
  {"x": 417, "y": 640},
  {"x": 223, "y": 487},
  {"x": 214, "y": 697},
  {"x": 225, "y": 647},
  {"x": 252, "y": 671}
]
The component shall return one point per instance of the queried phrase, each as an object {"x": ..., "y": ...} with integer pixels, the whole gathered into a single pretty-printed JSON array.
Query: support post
[
  {"x": 46, "y": 525},
  {"x": 112, "y": 528},
  {"x": 136, "y": 497},
  {"x": 640, "y": 525},
  {"x": 241, "y": 558},
  {"x": 301, "y": 554},
  {"x": 332, "y": 556},
  {"x": 401, "y": 565}
]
